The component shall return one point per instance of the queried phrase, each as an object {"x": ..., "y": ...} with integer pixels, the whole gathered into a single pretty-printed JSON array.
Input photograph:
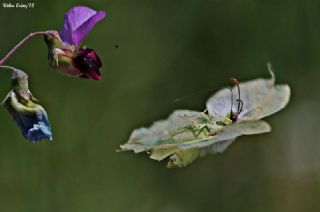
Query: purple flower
[
  {"x": 78, "y": 22},
  {"x": 65, "y": 52}
]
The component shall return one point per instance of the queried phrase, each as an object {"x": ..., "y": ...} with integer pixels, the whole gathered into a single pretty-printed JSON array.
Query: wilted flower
[
  {"x": 65, "y": 53},
  {"x": 186, "y": 135},
  {"x": 26, "y": 111}
]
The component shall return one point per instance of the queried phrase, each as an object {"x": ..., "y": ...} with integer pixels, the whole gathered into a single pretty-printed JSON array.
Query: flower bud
[{"x": 27, "y": 113}]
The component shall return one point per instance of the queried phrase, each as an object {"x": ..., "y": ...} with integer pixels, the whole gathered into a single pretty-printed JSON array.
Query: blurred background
[{"x": 154, "y": 52}]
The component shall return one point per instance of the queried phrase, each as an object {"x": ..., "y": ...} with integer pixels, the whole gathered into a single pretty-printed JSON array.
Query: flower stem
[
  {"x": 31, "y": 35},
  {"x": 8, "y": 67}
]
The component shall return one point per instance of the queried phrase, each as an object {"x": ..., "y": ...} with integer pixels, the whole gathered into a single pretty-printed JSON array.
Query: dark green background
[{"x": 167, "y": 49}]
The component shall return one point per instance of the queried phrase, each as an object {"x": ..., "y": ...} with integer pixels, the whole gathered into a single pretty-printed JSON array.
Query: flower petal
[
  {"x": 88, "y": 63},
  {"x": 218, "y": 147},
  {"x": 78, "y": 22},
  {"x": 94, "y": 75},
  {"x": 230, "y": 132},
  {"x": 166, "y": 139},
  {"x": 183, "y": 158},
  {"x": 260, "y": 98},
  {"x": 29, "y": 116},
  {"x": 39, "y": 131},
  {"x": 33, "y": 122},
  {"x": 144, "y": 139}
]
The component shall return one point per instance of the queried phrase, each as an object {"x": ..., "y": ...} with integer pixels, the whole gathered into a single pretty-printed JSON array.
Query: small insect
[
  {"x": 208, "y": 124},
  {"x": 187, "y": 135}
]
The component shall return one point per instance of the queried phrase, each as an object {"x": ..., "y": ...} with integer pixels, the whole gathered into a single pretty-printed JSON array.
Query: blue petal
[
  {"x": 39, "y": 131},
  {"x": 34, "y": 126},
  {"x": 29, "y": 116}
]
